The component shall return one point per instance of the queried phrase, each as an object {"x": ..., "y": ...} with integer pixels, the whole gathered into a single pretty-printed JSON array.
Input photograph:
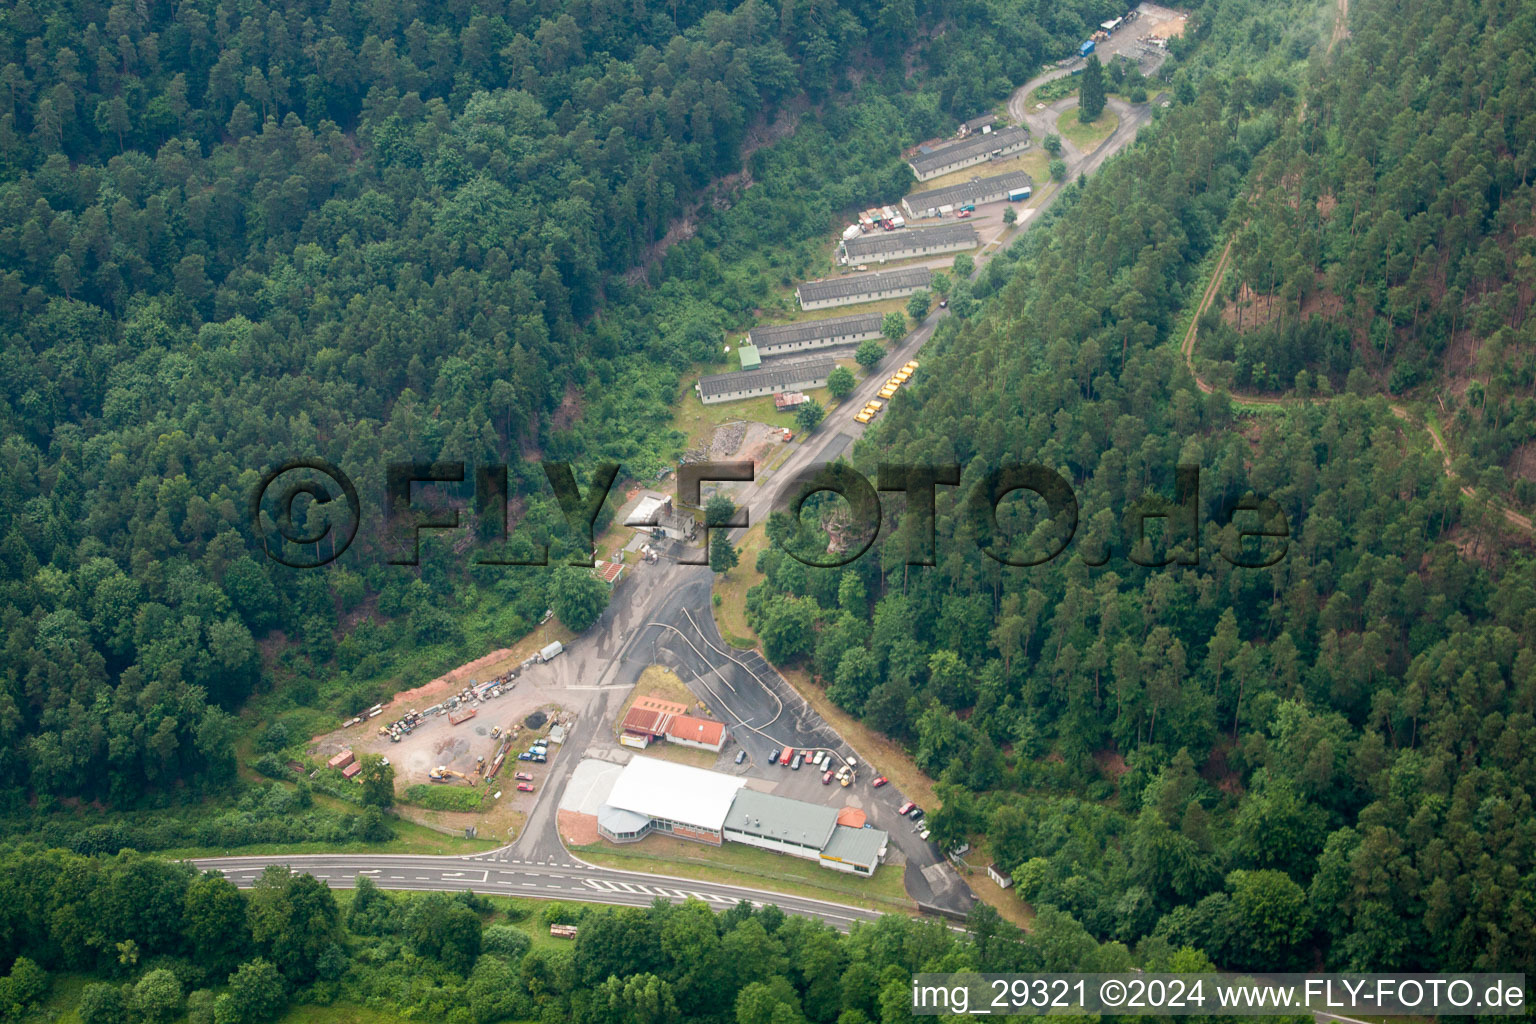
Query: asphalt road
[
  {"x": 564, "y": 879},
  {"x": 662, "y": 613}
]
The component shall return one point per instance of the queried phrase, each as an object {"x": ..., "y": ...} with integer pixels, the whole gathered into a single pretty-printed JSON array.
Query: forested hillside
[
  {"x": 235, "y": 234},
  {"x": 1388, "y": 246},
  {"x": 166, "y": 942},
  {"x": 1342, "y": 738}
]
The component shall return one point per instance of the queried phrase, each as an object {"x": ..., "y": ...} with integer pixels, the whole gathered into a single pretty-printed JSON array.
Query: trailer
[
  {"x": 551, "y": 650},
  {"x": 1086, "y": 48},
  {"x": 1018, "y": 195},
  {"x": 460, "y": 717}
]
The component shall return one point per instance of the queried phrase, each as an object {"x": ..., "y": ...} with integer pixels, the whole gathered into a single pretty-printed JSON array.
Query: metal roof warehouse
[
  {"x": 978, "y": 190},
  {"x": 779, "y": 823},
  {"x": 841, "y": 291},
  {"x": 889, "y": 245}
]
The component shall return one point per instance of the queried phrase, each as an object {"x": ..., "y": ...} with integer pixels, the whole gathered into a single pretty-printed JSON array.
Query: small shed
[
  {"x": 351, "y": 770},
  {"x": 341, "y": 760},
  {"x": 750, "y": 360},
  {"x": 788, "y": 400},
  {"x": 1003, "y": 879}
]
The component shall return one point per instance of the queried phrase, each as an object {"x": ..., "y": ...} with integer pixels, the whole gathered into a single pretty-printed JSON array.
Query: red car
[
  {"x": 524, "y": 776},
  {"x": 904, "y": 808},
  {"x": 523, "y": 787},
  {"x": 826, "y": 780},
  {"x": 880, "y": 781}
]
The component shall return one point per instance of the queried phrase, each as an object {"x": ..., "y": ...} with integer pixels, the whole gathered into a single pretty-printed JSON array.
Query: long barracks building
[
  {"x": 913, "y": 242},
  {"x": 938, "y": 201},
  {"x": 968, "y": 152},
  {"x": 856, "y": 288},
  {"x": 812, "y": 334}
]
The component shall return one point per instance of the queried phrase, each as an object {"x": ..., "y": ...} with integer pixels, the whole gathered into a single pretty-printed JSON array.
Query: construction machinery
[{"x": 442, "y": 773}]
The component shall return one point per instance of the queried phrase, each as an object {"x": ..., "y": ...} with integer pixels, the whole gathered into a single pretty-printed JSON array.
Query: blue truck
[{"x": 1086, "y": 48}]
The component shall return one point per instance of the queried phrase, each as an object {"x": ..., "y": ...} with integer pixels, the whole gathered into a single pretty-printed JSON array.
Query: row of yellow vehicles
[{"x": 874, "y": 405}]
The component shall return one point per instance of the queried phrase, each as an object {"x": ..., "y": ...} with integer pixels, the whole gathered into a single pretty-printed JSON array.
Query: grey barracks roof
[
  {"x": 876, "y": 246},
  {"x": 811, "y": 330},
  {"x": 968, "y": 192},
  {"x": 978, "y": 123},
  {"x": 782, "y": 377},
  {"x": 865, "y": 284},
  {"x": 779, "y": 817},
  {"x": 852, "y": 845},
  {"x": 967, "y": 149}
]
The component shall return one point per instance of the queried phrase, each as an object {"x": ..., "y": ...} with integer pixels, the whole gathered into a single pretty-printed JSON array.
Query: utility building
[
  {"x": 812, "y": 334},
  {"x": 857, "y": 851},
  {"x": 914, "y": 242},
  {"x": 968, "y": 152},
  {"x": 938, "y": 201},
  {"x": 847, "y": 291},
  {"x": 787, "y": 376}
]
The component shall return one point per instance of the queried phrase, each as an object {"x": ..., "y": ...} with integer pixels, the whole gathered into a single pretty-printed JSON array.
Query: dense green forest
[
  {"x": 235, "y": 234},
  {"x": 1388, "y": 247},
  {"x": 1345, "y": 736}
]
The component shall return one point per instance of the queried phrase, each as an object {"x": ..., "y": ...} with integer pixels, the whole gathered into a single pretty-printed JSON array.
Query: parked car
[
  {"x": 741, "y": 755},
  {"x": 917, "y": 814},
  {"x": 879, "y": 780},
  {"x": 524, "y": 777},
  {"x": 523, "y": 787},
  {"x": 924, "y": 834},
  {"x": 904, "y": 808},
  {"x": 826, "y": 778},
  {"x": 847, "y": 781},
  {"x": 795, "y": 764},
  {"x": 525, "y": 756}
]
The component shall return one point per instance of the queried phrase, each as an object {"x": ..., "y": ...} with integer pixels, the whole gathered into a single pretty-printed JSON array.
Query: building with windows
[
  {"x": 855, "y": 288},
  {"x": 780, "y": 824},
  {"x": 857, "y": 851},
  {"x": 812, "y": 334},
  {"x": 937, "y": 202},
  {"x": 673, "y": 799},
  {"x": 975, "y": 149},
  {"x": 711, "y": 807},
  {"x": 786, "y": 376},
  {"x": 914, "y": 242}
]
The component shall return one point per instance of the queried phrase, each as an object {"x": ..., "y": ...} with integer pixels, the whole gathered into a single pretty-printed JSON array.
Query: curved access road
[{"x": 565, "y": 879}]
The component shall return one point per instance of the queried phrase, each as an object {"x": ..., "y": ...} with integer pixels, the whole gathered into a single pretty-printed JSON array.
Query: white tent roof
[
  {"x": 676, "y": 792},
  {"x": 645, "y": 511}
]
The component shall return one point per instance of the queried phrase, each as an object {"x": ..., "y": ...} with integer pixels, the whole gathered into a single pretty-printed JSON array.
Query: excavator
[{"x": 442, "y": 773}]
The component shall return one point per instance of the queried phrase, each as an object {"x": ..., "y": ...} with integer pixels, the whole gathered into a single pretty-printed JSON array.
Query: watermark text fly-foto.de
[{"x": 307, "y": 513}]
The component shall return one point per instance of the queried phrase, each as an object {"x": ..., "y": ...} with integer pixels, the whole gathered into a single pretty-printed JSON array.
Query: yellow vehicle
[
  {"x": 910, "y": 366},
  {"x": 888, "y": 391},
  {"x": 874, "y": 405},
  {"x": 864, "y": 416},
  {"x": 903, "y": 376}
]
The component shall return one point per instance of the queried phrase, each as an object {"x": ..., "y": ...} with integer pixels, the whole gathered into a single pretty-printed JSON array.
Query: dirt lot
[{"x": 437, "y": 742}]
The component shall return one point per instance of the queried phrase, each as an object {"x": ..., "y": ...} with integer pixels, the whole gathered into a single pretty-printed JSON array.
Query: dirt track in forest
[{"x": 1187, "y": 347}]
